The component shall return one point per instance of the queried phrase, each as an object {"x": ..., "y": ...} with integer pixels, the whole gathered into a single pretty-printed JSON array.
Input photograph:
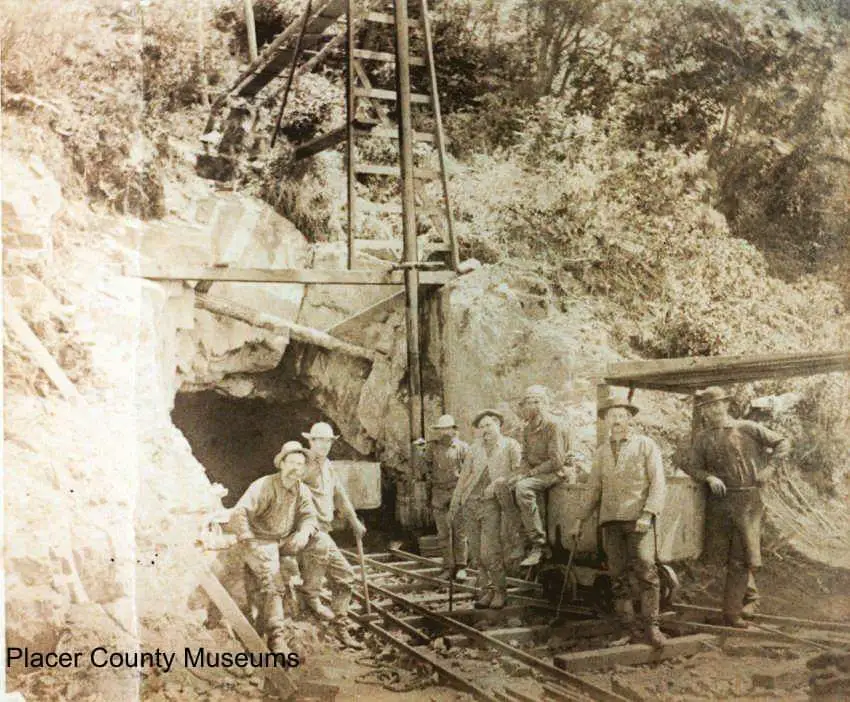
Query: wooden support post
[
  {"x": 603, "y": 393},
  {"x": 411, "y": 254},
  {"x": 252, "y": 30},
  {"x": 278, "y": 677},
  {"x": 633, "y": 654},
  {"x": 441, "y": 145},
  {"x": 299, "y": 332},
  {"x": 350, "y": 114}
]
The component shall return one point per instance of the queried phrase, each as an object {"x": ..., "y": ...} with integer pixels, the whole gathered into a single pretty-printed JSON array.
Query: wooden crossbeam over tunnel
[{"x": 686, "y": 375}]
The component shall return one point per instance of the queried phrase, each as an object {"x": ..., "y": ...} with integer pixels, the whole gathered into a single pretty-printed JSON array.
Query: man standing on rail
[
  {"x": 443, "y": 461},
  {"x": 731, "y": 456},
  {"x": 545, "y": 451},
  {"x": 491, "y": 457},
  {"x": 328, "y": 493},
  {"x": 275, "y": 517},
  {"x": 627, "y": 484}
]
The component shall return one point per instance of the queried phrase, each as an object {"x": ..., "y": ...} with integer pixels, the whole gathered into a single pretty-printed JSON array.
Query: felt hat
[
  {"x": 488, "y": 413},
  {"x": 535, "y": 391},
  {"x": 445, "y": 422},
  {"x": 711, "y": 395},
  {"x": 611, "y": 404},
  {"x": 320, "y": 430},
  {"x": 288, "y": 448}
]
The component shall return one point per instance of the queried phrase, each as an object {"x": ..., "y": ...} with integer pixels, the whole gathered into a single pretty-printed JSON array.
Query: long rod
[
  {"x": 363, "y": 575},
  {"x": 252, "y": 30},
  {"x": 410, "y": 254},
  {"x": 440, "y": 135},
  {"x": 350, "y": 112},
  {"x": 292, "y": 68}
]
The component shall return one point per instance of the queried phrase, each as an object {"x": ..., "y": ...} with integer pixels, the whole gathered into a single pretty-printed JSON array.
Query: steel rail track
[{"x": 580, "y": 687}]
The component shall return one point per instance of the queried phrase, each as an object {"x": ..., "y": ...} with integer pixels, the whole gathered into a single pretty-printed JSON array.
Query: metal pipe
[
  {"x": 410, "y": 252},
  {"x": 440, "y": 136},
  {"x": 350, "y": 112}
]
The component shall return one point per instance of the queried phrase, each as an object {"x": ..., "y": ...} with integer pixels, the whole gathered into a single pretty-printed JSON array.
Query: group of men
[
  {"x": 479, "y": 488},
  {"x": 289, "y": 513}
]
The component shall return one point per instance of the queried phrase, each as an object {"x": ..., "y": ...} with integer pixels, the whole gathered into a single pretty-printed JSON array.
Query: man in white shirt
[{"x": 628, "y": 485}]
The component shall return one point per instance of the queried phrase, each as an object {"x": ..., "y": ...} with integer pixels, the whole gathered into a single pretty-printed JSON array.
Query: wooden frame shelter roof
[{"x": 686, "y": 375}]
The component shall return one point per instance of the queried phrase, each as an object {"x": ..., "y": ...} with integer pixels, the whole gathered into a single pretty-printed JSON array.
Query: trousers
[
  {"x": 737, "y": 533},
  {"x": 527, "y": 491},
  {"x": 440, "y": 500},
  {"x": 483, "y": 522},
  {"x": 263, "y": 559},
  {"x": 333, "y": 566},
  {"x": 631, "y": 562}
]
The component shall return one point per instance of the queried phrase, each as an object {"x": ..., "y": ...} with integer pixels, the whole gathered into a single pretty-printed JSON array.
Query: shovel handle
[{"x": 363, "y": 574}]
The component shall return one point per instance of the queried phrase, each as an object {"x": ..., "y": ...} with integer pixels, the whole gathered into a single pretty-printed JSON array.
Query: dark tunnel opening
[{"x": 236, "y": 441}]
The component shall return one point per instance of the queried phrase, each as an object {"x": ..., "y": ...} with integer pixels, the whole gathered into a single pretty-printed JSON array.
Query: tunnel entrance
[{"x": 237, "y": 439}]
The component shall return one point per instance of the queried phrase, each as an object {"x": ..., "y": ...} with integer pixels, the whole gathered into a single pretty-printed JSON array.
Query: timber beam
[
  {"x": 302, "y": 276},
  {"x": 633, "y": 654}
]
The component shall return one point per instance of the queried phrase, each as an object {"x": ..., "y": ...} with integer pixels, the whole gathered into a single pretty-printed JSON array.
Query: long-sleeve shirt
[
  {"x": 327, "y": 491},
  {"x": 268, "y": 510},
  {"x": 545, "y": 446},
  {"x": 628, "y": 484},
  {"x": 483, "y": 465},
  {"x": 445, "y": 462},
  {"x": 735, "y": 452}
]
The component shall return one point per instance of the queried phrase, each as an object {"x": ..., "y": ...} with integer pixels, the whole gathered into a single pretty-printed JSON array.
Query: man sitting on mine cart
[
  {"x": 328, "y": 493},
  {"x": 274, "y": 518},
  {"x": 545, "y": 451},
  {"x": 627, "y": 484},
  {"x": 443, "y": 459}
]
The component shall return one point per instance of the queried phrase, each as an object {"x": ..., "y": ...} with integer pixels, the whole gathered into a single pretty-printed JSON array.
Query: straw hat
[
  {"x": 320, "y": 430},
  {"x": 445, "y": 422}
]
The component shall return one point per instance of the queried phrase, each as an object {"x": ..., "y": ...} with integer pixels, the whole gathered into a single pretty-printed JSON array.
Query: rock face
[{"x": 31, "y": 199}]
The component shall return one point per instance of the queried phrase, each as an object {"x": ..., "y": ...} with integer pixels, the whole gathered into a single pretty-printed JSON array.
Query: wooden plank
[
  {"x": 391, "y": 95},
  {"x": 374, "y": 169},
  {"x": 633, "y": 654},
  {"x": 306, "y": 276},
  {"x": 355, "y": 321},
  {"x": 37, "y": 351},
  {"x": 385, "y": 56},
  {"x": 278, "y": 677},
  {"x": 824, "y": 624},
  {"x": 390, "y": 133},
  {"x": 524, "y": 634},
  {"x": 384, "y": 18},
  {"x": 299, "y": 332},
  {"x": 687, "y": 373}
]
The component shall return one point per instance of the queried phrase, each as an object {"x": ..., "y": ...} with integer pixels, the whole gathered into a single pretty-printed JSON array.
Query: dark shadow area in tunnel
[{"x": 237, "y": 439}]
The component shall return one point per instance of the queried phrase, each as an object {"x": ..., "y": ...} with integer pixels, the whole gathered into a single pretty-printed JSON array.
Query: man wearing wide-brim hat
[
  {"x": 628, "y": 486},
  {"x": 731, "y": 456},
  {"x": 275, "y": 517},
  {"x": 443, "y": 459},
  {"x": 328, "y": 495},
  {"x": 492, "y": 457},
  {"x": 545, "y": 454}
]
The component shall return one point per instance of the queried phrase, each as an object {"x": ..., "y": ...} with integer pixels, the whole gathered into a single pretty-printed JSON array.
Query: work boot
[
  {"x": 628, "y": 627},
  {"x": 735, "y": 621},
  {"x": 340, "y": 602},
  {"x": 498, "y": 601},
  {"x": 277, "y": 643},
  {"x": 461, "y": 574},
  {"x": 484, "y": 601},
  {"x": 346, "y": 639},
  {"x": 749, "y": 609},
  {"x": 654, "y": 637},
  {"x": 316, "y": 606},
  {"x": 534, "y": 556}
]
